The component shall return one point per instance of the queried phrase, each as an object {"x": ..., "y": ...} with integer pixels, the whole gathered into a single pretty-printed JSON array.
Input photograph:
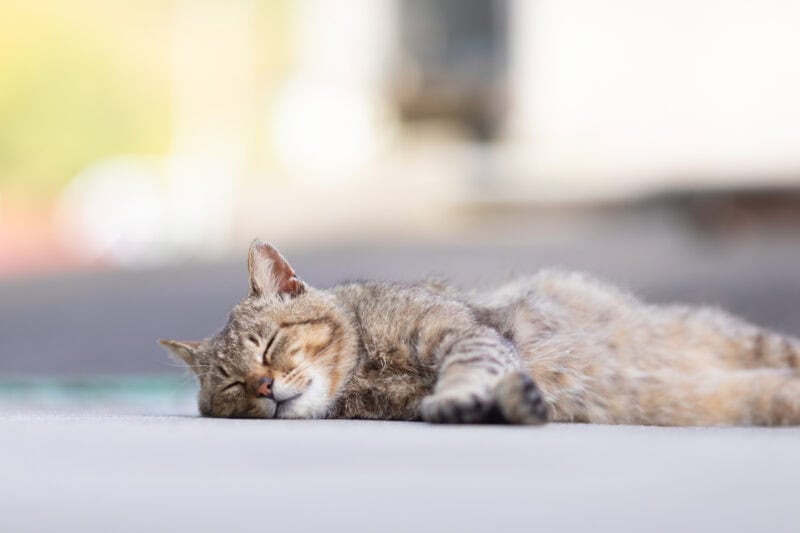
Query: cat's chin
[
  {"x": 301, "y": 415},
  {"x": 288, "y": 411},
  {"x": 311, "y": 403},
  {"x": 297, "y": 408}
]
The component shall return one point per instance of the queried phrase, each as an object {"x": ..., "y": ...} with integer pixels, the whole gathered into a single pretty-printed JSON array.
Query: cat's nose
[{"x": 264, "y": 389}]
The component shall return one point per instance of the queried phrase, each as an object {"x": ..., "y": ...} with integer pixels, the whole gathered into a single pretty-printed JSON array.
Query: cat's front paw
[
  {"x": 519, "y": 400},
  {"x": 452, "y": 407}
]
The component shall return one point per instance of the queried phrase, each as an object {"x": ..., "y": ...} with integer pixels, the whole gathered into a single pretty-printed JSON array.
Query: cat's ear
[
  {"x": 270, "y": 273},
  {"x": 185, "y": 351}
]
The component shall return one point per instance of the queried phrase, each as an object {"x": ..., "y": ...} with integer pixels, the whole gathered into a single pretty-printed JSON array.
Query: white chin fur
[{"x": 313, "y": 403}]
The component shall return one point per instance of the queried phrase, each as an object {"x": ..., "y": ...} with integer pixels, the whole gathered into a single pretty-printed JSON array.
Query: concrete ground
[
  {"x": 73, "y": 472},
  {"x": 98, "y": 430}
]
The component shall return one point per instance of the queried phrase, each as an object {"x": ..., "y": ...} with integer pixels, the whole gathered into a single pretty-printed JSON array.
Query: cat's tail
[
  {"x": 735, "y": 342},
  {"x": 769, "y": 349},
  {"x": 739, "y": 343}
]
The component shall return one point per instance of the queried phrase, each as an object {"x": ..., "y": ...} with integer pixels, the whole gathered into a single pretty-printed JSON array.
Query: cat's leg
[{"x": 480, "y": 379}]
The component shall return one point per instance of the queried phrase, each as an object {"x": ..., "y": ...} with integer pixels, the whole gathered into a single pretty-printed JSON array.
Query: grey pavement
[{"x": 178, "y": 473}]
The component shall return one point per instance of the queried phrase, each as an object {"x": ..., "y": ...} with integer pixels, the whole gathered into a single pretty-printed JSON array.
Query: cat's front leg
[{"x": 480, "y": 380}]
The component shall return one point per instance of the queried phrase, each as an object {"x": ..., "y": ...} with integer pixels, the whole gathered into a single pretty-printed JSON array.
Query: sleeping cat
[{"x": 551, "y": 347}]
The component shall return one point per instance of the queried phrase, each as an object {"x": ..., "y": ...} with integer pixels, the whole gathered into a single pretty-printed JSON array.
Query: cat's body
[{"x": 554, "y": 346}]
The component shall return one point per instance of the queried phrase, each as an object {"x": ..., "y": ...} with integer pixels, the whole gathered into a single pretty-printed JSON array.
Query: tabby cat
[{"x": 551, "y": 347}]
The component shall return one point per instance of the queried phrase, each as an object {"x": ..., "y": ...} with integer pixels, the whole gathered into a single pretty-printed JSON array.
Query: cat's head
[{"x": 284, "y": 353}]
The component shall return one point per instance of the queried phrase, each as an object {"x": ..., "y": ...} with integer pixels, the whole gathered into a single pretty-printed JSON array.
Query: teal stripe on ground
[{"x": 96, "y": 388}]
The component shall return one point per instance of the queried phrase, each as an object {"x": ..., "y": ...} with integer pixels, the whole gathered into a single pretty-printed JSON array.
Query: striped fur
[{"x": 554, "y": 346}]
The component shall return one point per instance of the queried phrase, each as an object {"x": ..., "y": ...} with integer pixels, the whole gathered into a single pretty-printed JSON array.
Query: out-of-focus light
[
  {"x": 201, "y": 196},
  {"x": 114, "y": 210},
  {"x": 322, "y": 132}
]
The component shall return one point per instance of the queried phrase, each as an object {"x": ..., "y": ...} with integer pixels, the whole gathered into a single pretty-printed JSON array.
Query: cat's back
[
  {"x": 553, "y": 301},
  {"x": 377, "y": 299},
  {"x": 396, "y": 313},
  {"x": 550, "y": 300}
]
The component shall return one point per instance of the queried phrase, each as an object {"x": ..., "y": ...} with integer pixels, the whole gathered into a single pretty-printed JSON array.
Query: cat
[{"x": 558, "y": 347}]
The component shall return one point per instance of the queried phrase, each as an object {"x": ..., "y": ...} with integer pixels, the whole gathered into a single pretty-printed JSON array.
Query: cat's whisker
[{"x": 297, "y": 371}]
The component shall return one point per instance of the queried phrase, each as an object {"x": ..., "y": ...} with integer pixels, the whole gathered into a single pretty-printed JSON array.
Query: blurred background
[{"x": 144, "y": 144}]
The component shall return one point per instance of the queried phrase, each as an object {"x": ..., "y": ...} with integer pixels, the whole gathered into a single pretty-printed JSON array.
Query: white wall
[{"x": 646, "y": 92}]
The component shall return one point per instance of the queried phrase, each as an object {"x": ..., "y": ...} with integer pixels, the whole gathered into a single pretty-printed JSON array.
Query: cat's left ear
[
  {"x": 185, "y": 351},
  {"x": 270, "y": 273}
]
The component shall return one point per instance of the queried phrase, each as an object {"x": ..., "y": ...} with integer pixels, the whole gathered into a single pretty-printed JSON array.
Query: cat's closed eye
[
  {"x": 265, "y": 358},
  {"x": 231, "y": 386}
]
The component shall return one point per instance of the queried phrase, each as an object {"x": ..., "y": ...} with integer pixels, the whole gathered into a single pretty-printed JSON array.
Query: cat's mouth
[{"x": 286, "y": 403}]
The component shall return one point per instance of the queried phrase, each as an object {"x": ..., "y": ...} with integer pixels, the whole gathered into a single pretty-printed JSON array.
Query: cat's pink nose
[{"x": 264, "y": 389}]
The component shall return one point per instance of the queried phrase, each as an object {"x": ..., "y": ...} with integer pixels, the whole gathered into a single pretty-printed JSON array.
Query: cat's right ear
[
  {"x": 270, "y": 272},
  {"x": 185, "y": 351}
]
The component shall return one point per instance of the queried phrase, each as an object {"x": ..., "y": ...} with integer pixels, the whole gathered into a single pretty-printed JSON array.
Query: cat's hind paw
[{"x": 519, "y": 400}]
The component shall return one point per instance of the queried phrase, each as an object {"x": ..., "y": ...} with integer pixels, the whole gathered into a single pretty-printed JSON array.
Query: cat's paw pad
[
  {"x": 455, "y": 408},
  {"x": 520, "y": 400}
]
